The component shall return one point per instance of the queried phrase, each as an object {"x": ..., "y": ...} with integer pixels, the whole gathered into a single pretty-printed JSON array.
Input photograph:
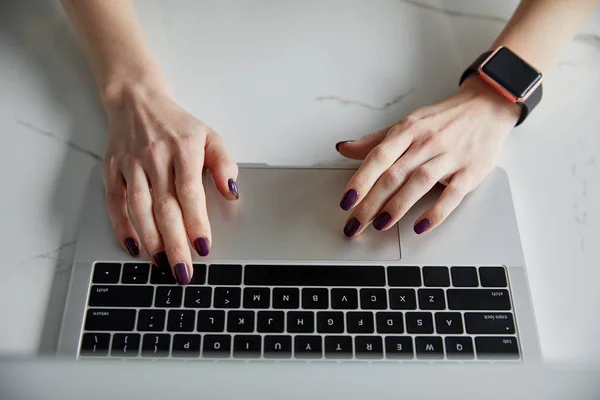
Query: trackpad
[{"x": 291, "y": 214}]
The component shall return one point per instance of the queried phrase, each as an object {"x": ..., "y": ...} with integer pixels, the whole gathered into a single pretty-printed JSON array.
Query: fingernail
[
  {"x": 132, "y": 247},
  {"x": 233, "y": 188},
  {"x": 161, "y": 259},
  {"x": 182, "y": 274},
  {"x": 352, "y": 227},
  {"x": 349, "y": 199},
  {"x": 422, "y": 226},
  {"x": 382, "y": 220},
  {"x": 202, "y": 247},
  {"x": 337, "y": 145}
]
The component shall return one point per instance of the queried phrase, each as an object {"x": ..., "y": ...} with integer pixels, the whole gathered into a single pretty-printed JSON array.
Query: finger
[
  {"x": 420, "y": 182},
  {"x": 116, "y": 204},
  {"x": 385, "y": 188},
  {"x": 381, "y": 158},
  {"x": 460, "y": 185},
  {"x": 223, "y": 168},
  {"x": 358, "y": 149},
  {"x": 139, "y": 202},
  {"x": 169, "y": 219}
]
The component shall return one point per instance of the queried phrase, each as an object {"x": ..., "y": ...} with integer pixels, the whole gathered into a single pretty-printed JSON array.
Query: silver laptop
[{"x": 283, "y": 283}]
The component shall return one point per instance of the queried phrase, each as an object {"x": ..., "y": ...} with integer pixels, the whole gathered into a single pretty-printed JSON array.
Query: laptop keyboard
[{"x": 306, "y": 312}]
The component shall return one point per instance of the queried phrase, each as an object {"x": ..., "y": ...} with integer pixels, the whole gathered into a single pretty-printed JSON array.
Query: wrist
[
  {"x": 124, "y": 87},
  {"x": 487, "y": 95}
]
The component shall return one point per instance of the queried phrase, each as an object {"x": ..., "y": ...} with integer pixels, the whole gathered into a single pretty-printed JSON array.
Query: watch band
[{"x": 526, "y": 106}]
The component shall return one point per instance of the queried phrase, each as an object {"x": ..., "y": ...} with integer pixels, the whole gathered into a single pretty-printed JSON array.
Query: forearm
[
  {"x": 115, "y": 45},
  {"x": 539, "y": 29}
]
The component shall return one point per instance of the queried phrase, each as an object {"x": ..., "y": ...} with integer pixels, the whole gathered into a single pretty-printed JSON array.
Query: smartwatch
[{"x": 511, "y": 76}]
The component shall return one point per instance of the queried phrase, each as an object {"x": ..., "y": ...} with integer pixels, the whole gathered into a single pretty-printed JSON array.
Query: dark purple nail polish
[
  {"x": 202, "y": 247},
  {"x": 161, "y": 259},
  {"x": 352, "y": 227},
  {"x": 182, "y": 274},
  {"x": 382, "y": 220},
  {"x": 338, "y": 144},
  {"x": 132, "y": 247},
  {"x": 422, "y": 226},
  {"x": 233, "y": 188},
  {"x": 349, "y": 199}
]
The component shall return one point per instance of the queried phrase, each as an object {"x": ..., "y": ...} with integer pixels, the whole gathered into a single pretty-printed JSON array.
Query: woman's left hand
[{"x": 456, "y": 142}]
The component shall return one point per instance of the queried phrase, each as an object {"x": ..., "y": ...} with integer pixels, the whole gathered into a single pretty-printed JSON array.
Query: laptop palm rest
[{"x": 291, "y": 214}]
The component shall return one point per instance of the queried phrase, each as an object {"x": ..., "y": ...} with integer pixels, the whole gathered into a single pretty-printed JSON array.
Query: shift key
[
  {"x": 109, "y": 320},
  {"x": 478, "y": 299},
  {"x": 121, "y": 296}
]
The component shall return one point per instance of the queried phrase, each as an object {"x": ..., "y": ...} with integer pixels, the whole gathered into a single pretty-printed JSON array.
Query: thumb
[
  {"x": 221, "y": 166},
  {"x": 358, "y": 149}
]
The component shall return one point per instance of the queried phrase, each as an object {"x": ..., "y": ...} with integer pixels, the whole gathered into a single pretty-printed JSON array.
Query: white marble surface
[{"x": 283, "y": 81}]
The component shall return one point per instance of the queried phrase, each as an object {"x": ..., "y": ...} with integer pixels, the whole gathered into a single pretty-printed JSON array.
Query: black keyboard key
[
  {"x": 199, "y": 275},
  {"x": 399, "y": 347},
  {"x": 314, "y": 275},
  {"x": 211, "y": 321},
  {"x": 278, "y": 346},
  {"x": 436, "y": 276},
  {"x": 225, "y": 275},
  {"x": 227, "y": 297},
  {"x": 308, "y": 346},
  {"x": 301, "y": 322},
  {"x": 448, "y": 323},
  {"x": 403, "y": 299},
  {"x": 216, "y": 346},
  {"x": 432, "y": 299},
  {"x": 162, "y": 276},
  {"x": 359, "y": 322},
  {"x": 338, "y": 347},
  {"x": 247, "y": 346},
  {"x": 315, "y": 299},
  {"x": 489, "y": 348},
  {"x": 459, "y": 348},
  {"x": 186, "y": 345},
  {"x": 110, "y": 320},
  {"x": 270, "y": 321},
  {"x": 344, "y": 299},
  {"x": 373, "y": 299},
  {"x": 464, "y": 276},
  {"x": 419, "y": 322},
  {"x": 492, "y": 276},
  {"x": 151, "y": 320},
  {"x": 125, "y": 345},
  {"x": 257, "y": 297},
  {"x": 156, "y": 345},
  {"x": 168, "y": 296},
  {"x": 330, "y": 322},
  {"x": 94, "y": 344},
  {"x": 287, "y": 298},
  {"x": 390, "y": 322},
  {"x": 181, "y": 321},
  {"x": 240, "y": 321},
  {"x": 106, "y": 273},
  {"x": 136, "y": 273},
  {"x": 198, "y": 296},
  {"x": 490, "y": 323},
  {"x": 368, "y": 347},
  {"x": 121, "y": 296},
  {"x": 136, "y": 279},
  {"x": 429, "y": 347},
  {"x": 404, "y": 276},
  {"x": 478, "y": 299}
]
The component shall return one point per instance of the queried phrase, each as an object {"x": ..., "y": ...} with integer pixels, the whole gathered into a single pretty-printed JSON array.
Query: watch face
[{"x": 511, "y": 72}]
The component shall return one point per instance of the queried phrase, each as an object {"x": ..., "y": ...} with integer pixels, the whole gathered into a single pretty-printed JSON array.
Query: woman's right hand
[{"x": 152, "y": 174}]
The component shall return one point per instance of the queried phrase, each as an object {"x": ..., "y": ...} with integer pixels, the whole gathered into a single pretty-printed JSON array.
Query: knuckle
[
  {"x": 380, "y": 154},
  {"x": 167, "y": 207},
  {"x": 424, "y": 175},
  {"x": 150, "y": 241},
  {"x": 184, "y": 145},
  {"x": 137, "y": 198},
  {"x": 409, "y": 120},
  {"x": 176, "y": 250},
  {"x": 194, "y": 226},
  {"x": 113, "y": 197},
  {"x": 401, "y": 207},
  {"x": 392, "y": 178},
  {"x": 155, "y": 150},
  {"x": 190, "y": 190}
]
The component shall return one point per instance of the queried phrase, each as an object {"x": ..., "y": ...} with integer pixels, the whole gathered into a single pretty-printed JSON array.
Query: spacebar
[{"x": 314, "y": 275}]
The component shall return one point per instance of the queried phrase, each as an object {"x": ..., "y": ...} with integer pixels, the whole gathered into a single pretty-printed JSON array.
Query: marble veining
[
  {"x": 455, "y": 13},
  {"x": 347, "y": 102}
]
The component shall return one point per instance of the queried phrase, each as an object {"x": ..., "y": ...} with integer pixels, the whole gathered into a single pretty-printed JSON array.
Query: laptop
[{"x": 282, "y": 283}]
